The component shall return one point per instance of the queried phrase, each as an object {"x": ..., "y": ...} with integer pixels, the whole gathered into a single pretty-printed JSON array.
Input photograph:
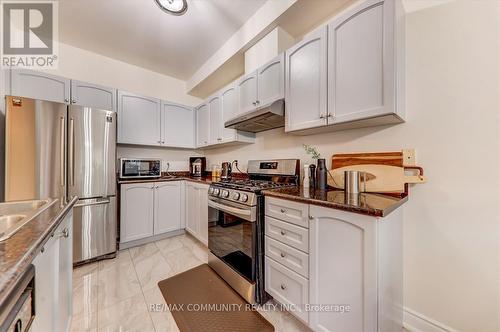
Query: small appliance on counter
[
  {"x": 197, "y": 165},
  {"x": 226, "y": 171},
  {"x": 139, "y": 168}
]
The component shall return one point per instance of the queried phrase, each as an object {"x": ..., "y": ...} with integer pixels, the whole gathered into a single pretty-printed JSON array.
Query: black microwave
[{"x": 140, "y": 168}]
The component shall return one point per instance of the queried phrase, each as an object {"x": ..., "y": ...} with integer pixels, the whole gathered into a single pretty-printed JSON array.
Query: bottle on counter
[
  {"x": 312, "y": 175},
  {"x": 306, "y": 182},
  {"x": 321, "y": 175}
]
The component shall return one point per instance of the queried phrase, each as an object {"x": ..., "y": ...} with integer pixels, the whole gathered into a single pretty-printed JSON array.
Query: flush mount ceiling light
[{"x": 174, "y": 7}]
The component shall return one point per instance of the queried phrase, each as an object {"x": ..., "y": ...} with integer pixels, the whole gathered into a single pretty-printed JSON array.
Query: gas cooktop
[{"x": 251, "y": 185}]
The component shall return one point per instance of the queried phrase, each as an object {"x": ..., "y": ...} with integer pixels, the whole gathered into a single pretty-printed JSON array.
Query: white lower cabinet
[
  {"x": 197, "y": 210},
  {"x": 346, "y": 277},
  {"x": 53, "y": 280},
  {"x": 148, "y": 209}
]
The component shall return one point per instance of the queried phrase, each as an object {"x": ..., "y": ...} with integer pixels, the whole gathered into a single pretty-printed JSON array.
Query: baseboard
[
  {"x": 416, "y": 322},
  {"x": 135, "y": 243}
]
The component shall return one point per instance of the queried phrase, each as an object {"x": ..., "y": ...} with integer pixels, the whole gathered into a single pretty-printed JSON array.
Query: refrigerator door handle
[
  {"x": 93, "y": 202},
  {"x": 106, "y": 151},
  {"x": 71, "y": 157},
  {"x": 63, "y": 139}
]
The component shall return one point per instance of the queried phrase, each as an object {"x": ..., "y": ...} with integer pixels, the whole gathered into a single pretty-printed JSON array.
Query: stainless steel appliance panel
[
  {"x": 140, "y": 168},
  {"x": 91, "y": 152},
  {"x": 35, "y": 149},
  {"x": 94, "y": 228}
]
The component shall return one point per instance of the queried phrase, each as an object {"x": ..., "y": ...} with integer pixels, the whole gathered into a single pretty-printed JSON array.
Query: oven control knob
[
  {"x": 236, "y": 196},
  {"x": 225, "y": 194},
  {"x": 210, "y": 191},
  {"x": 244, "y": 197},
  {"x": 216, "y": 191}
]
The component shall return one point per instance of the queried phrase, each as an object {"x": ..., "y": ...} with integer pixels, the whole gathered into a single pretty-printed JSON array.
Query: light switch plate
[{"x": 409, "y": 157}]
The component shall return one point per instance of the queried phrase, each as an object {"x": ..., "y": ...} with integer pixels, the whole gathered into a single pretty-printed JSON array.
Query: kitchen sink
[{"x": 14, "y": 215}]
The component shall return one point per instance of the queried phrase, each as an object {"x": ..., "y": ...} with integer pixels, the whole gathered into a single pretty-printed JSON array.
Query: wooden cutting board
[{"x": 385, "y": 171}]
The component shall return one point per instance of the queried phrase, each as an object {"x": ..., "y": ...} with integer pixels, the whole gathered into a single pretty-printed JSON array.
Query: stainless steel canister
[{"x": 354, "y": 182}]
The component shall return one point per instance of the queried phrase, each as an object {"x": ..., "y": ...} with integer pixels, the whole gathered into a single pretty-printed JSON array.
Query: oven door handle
[{"x": 229, "y": 209}]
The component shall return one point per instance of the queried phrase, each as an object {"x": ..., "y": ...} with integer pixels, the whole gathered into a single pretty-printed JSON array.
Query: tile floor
[{"x": 115, "y": 295}]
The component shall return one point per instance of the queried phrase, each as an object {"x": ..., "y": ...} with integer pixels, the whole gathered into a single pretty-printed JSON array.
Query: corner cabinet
[
  {"x": 53, "y": 280},
  {"x": 177, "y": 125},
  {"x": 149, "y": 209},
  {"x": 306, "y": 83},
  {"x": 139, "y": 119},
  {"x": 350, "y": 73}
]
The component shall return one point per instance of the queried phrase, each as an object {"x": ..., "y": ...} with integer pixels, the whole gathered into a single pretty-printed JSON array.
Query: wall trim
[{"x": 416, "y": 322}]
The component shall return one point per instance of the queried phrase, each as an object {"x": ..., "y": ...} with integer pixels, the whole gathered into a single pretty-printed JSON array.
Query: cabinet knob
[
  {"x": 66, "y": 100},
  {"x": 283, "y": 286},
  {"x": 321, "y": 116},
  {"x": 283, "y": 210},
  {"x": 311, "y": 217},
  {"x": 257, "y": 102},
  {"x": 73, "y": 101},
  {"x": 329, "y": 115},
  {"x": 42, "y": 250},
  {"x": 254, "y": 103},
  {"x": 282, "y": 255},
  {"x": 158, "y": 142},
  {"x": 64, "y": 233},
  {"x": 283, "y": 232}
]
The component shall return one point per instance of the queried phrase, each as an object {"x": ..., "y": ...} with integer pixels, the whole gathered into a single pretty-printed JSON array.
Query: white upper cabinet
[
  {"x": 247, "y": 92},
  {"x": 270, "y": 81},
  {"x": 93, "y": 95},
  {"x": 306, "y": 83},
  {"x": 139, "y": 119},
  {"x": 177, "y": 125},
  {"x": 38, "y": 85},
  {"x": 361, "y": 71},
  {"x": 216, "y": 124},
  {"x": 229, "y": 108},
  {"x": 202, "y": 125}
]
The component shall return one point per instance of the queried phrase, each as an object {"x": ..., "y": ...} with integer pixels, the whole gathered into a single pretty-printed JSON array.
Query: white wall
[{"x": 452, "y": 234}]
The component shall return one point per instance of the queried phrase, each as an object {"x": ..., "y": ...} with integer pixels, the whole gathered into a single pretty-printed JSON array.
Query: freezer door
[
  {"x": 94, "y": 228},
  {"x": 91, "y": 152},
  {"x": 35, "y": 149}
]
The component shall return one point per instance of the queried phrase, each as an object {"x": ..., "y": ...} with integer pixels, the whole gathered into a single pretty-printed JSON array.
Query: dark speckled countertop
[
  {"x": 18, "y": 251},
  {"x": 203, "y": 179},
  {"x": 376, "y": 205}
]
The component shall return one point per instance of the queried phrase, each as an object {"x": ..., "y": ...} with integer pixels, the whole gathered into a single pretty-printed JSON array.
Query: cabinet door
[
  {"x": 37, "y": 85},
  {"x": 46, "y": 291},
  {"x": 92, "y": 95},
  {"x": 167, "y": 208},
  {"x": 202, "y": 125},
  {"x": 178, "y": 125},
  {"x": 343, "y": 269},
  {"x": 271, "y": 78},
  {"x": 306, "y": 83},
  {"x": 136, "y": 211},
  {"x": 216, "y": 124},
  {"x": 247, "y": 93},
  {"x": 138, "y": 119},
  {"x": 361, "y": 62},
  {"x": 65, "y": 306},
  {"x": 202, "y": 194},
  {"x": 229, "y": 105},
  {"x": 192, "y": 214}
]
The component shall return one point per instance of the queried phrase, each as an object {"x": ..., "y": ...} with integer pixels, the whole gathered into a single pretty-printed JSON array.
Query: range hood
[{"x": 266, "y": 117}]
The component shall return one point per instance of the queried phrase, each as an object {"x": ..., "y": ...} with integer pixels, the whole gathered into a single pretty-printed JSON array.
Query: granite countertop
[
  {"x": 203, "y": 179},
  {"x": 376, "y": 205},
  {"x": 18, "y": 251}
]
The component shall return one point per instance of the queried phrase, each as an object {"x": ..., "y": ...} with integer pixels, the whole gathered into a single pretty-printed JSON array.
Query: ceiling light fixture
[{"x": 174, "y": 7}]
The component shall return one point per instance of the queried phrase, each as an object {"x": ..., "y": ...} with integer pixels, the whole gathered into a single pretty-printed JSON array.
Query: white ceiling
[{"x": 138, "y": 32}]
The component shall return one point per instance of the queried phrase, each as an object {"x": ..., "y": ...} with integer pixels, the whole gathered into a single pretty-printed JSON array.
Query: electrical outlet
[{"x": 409, "y": 157}]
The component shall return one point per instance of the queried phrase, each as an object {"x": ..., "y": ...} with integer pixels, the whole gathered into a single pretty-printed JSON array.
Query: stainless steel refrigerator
[{"x": 60, "y": 151}]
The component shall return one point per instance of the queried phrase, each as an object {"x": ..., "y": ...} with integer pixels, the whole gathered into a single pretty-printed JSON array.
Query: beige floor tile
[
  {"x": 85, "y": 293},
  {"x": 169, "y": 245},
  {"x": 117, "y": 282},
  {"x": 122, "y": 259},
  {"x": 161, "y": 317},
  {"x": 144, "y": 251},
  {"x": 84, "y": 322},
  {"x": 152, "y": 269},
  {"x": 182, "y": 260},
  {"x": 128, "y": 315}
]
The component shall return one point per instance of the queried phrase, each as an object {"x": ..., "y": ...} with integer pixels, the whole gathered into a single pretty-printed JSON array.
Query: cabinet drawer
[
  {"x": 287, "y": 287},
  {"x": 293, "y": 212},
  {"x": 292, "y": 258},
  {"x": 286, "y": 233}
]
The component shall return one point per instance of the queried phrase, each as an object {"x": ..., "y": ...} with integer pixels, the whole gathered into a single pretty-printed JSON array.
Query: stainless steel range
[{"x": 236, "y": 224}]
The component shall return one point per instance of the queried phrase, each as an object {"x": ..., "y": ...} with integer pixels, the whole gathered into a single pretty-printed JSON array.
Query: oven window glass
[{"x": 231, "y": 239}]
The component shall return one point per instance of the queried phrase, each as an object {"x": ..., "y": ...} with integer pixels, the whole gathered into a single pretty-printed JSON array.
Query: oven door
[{"x": 231, "y": 235}]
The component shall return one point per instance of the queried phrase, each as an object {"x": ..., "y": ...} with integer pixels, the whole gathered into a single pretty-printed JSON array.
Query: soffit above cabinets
[{"x": 139, "y": 33}]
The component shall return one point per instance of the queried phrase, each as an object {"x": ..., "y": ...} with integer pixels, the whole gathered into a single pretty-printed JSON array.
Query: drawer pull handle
[
  {"x": 283, "y": 287},
  {"x": 283, "y": 210},
  {"x": 283, "y": 232},
  {"x": 282, "y": 255}
]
